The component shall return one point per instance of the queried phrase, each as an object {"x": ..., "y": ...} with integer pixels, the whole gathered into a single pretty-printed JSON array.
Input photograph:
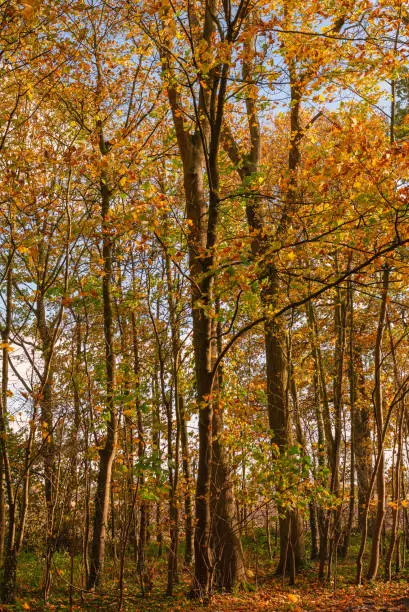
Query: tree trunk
[
  {"x": 107, "y": 453},
  {"x": 229, "y": 561},
  {"x": 187, "y": 483},
  {"x": 226, "y": 543},
  {"x": 141, "y": 448},
  {"x": 180, "y": 409},
  {"x": 196, "y": 149},
  {"x": 378, "y": 409},
  {"x": 8, "y": 584},
  {"x": 361, "y": 431},
  {"x": 352, "y": 399},
  {"x": 396, "y": 472}
]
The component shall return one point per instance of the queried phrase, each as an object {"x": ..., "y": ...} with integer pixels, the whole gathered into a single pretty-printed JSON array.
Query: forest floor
[{"x": 265, "y": 591}]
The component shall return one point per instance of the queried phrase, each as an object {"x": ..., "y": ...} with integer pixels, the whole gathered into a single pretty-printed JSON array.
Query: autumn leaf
[
  {"x": 6, "y": 346},
  {"x": 293, "y": 598},
  {"x": 28, "y": 8}
]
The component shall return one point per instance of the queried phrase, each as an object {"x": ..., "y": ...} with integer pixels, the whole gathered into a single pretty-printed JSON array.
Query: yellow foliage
[{"x": 293, "y": 598}]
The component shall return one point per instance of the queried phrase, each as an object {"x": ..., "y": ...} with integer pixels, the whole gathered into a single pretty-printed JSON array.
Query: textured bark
[
  {"x": 226, "y": 543},
  {"x": 290, "y": 523},
  {"x": 8, "y": 586},
  {"x": 229, "y": 568},
  {"x": 2, "y": 511}
]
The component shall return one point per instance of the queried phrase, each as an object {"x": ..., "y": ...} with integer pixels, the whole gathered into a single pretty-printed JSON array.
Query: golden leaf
[
  {"x": 293, "y": 598},
  {"x": 28, "y": 8},
  {"x": 7, "y": 346}
]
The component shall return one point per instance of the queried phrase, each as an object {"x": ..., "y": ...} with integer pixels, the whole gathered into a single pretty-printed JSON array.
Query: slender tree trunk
[
  {"x": 335, "y": 517},
  {"x": 378, "y": 408},
  {"x": 2, "y": 512},
  {"x": 141, "y": 448},
  {"x": 181, "y": 435},
  {"x": 187, "y": 483},
  {"x": 47, "y": 424},
  {"x": 361, "y": 432},
  {"x": 352, "y": 399},
  {"x": 156, "y": 446},
  {"x": 107, "y": 453},
  {"x": 396, "y": 473},
  {"x": 396, "y": 476},
  {"x": 8, "y": 584}
]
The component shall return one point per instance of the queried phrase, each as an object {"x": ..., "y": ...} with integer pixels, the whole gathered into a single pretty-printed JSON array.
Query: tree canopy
[{"x": 203, "y": 303}]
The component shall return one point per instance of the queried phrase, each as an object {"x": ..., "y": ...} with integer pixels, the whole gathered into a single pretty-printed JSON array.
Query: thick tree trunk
[
  {"x": 291, "y": 526},
  {"x": 2, "y": 512},
  {"x": 50, "y": 484},
  {"x": 204, "y": 563},
  {"x": 102, "y": 501},
  {"x": 226, "y": 543},
  {"x": 229, "y": 561},
  {"x": 8, "y": 586}
]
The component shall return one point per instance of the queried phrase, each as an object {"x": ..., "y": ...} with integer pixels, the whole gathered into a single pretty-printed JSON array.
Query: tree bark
[
  {"x": 107, "y": 453},
  {"x": 378, "y": 410},
  {"x": 226, "y": 543}
]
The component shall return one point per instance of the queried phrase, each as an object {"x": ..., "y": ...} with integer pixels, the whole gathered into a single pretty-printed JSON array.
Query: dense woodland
[{"x": 204, "y": 304}]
